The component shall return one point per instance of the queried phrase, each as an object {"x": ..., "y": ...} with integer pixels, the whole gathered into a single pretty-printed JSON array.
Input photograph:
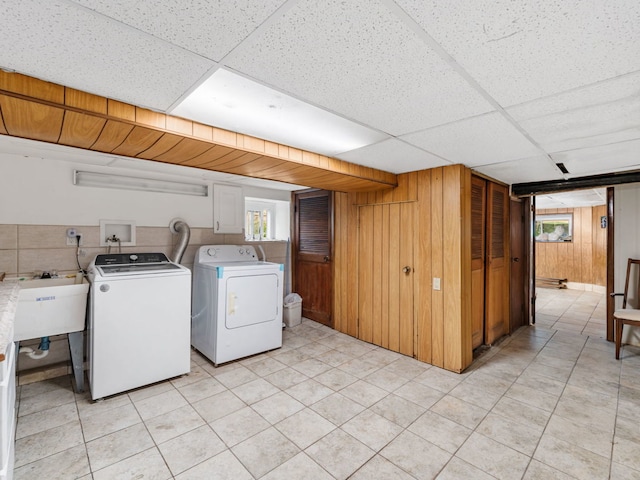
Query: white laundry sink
[{"x": 51, "y": 306}]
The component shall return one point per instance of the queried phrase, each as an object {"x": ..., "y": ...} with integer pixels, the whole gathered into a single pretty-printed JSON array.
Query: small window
[
  {"x": 266, "y": 219},
  {"x": 554, "y": 228}
]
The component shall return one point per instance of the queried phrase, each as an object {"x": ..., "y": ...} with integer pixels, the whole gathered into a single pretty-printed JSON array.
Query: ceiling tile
[
  {"x": 574, "y": 199},
  {"x": 603, "y": 113},
  {"x": 506, "y": 46},
  {"x": 602, "y": 159},
  {"x": 535, "y": 169},
  {"x": 393, "y": 156},
  {"x": 81, "y": 49},
  {"x": 211, "y": 29},
  {"x": 357, "y": 59},
  {"x": 488, "y": 138}
]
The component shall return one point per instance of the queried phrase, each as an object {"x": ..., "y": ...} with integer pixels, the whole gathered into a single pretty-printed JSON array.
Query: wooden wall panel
[
  {"x": 424, "y": 224},
  {"x": 584, "y": 259}
]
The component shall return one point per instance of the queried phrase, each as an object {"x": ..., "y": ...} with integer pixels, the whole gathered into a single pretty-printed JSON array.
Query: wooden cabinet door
[
  {"x": 478, "y": 234},
  {"x": 385, "y": 276},
  {"x": 312, "y": 249},
  {"x": 497, "y": 269}
]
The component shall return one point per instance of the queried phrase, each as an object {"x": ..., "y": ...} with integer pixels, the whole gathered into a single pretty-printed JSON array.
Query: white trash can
[{"x": 292, "y": 312}]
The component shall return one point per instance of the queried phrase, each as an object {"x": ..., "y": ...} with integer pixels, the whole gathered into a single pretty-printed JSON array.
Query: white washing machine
[
  {"x": 139, "y": 321},
  {"x": 237, "y": 303}
]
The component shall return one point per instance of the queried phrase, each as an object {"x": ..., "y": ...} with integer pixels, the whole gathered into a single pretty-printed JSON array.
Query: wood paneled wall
[
  {"x": 584, "y": 260},
  {"x": 440, "y": 230}
]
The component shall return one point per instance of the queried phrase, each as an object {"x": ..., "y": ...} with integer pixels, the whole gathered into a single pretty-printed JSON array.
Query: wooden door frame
[{"x": 610, "y": 263}]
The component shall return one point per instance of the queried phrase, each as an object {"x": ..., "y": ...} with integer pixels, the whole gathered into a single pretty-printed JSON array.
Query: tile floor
[
  {"x": 543, "y": 404},
  {"x": 572, "y": 311}
]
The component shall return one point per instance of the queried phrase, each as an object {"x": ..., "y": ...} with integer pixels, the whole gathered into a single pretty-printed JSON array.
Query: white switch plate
[{"x": 436, "y": 283}]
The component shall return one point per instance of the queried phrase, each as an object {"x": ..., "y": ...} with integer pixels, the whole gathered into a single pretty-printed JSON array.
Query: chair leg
[{"x": 619, "y": 325}]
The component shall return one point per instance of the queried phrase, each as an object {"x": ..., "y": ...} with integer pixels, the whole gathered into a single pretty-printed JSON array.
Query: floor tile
[
  {"x": 45, "y": 419},
  {"x": 286, "y": 378},
  {"x": 309, "y": 392},
  {"x": 372, "y": 429},
  {"x": 521, "y": 412},
  {"x": 493, "y": 457},
  {"x": 337, "y": 408},
  {"x": 148, "y": 464},
  {"x": 413, "y": 454},
  {"x": 358, "y": 367},
  {"x": 299, "y": 467},
  {"x": 88, "y": 408},
  {"x": 589, "y": 437},
  {"x": 43, "y": 444},
  {"x": 625, "y": 452},
  {"x": 571, "y": 459},
  {"x": 533, "y": 397},
  {"x": 539, "y": 471},
  {"x": 176, "y": 422},
  {"x": 458, "y": 469},
  {"x": 305, "y": 427},
  {"x": 218, "y": 406},
  {"x": 440, "y": 431},
  {"x": 71, "y": 463},
  {"x": 277, "y": 407},
  {"x": 266, "y": 366},
  {"x": 380, "y": 467},
  {"x": 117, "y": 446},
  {"x": 311, "y": 367},
  {"x": 191, "y": 448},
  {"x": 621, "y": 472},
  {"x": 335, "y": 379},
  {"x": 254, "y": 391},
  {"x": 204, "y": 388},
  {"x": 364, "y": 393},
  {"x": 340, "y": 454},
  {"x": 158, "y": 404},
  {"x": 49, "y": 398},
  {"x": 518, "y": 436},
  {"x": 264, "y": 451},
  {"x": 400, "y": 411},
  {"x": 110, "y": 421},
  {"x": 236, "y": 377},
  {"x": 439, "y": 379},
  {"x": 407, "y": 367},
  {"x": 459, "y": 411},
  {"x": 224, "y": 466},
  {"x": 238, "y": 426},
  {"x": 419, "y": 394}
]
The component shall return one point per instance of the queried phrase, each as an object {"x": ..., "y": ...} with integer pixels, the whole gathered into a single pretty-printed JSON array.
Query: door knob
[
  {"x": 326, "y": 258},
  {"x": 406, "y": 270},
  {"x": 515, "y": 259}
]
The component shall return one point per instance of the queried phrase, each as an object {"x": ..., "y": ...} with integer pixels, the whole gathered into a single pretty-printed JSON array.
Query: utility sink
[{"x": 50, "y": 306}]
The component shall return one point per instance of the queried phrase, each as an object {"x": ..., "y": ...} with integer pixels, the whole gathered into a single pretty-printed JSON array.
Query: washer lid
[{"x": 138, "y": 268}]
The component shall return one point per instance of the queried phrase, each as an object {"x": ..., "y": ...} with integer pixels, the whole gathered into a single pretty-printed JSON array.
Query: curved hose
[
  {"x": 180, "y": 227},
  {"x": 31, "y": 353}
]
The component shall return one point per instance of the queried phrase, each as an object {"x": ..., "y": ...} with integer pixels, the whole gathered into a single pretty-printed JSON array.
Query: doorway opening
[{"x": 570, "y": 238}]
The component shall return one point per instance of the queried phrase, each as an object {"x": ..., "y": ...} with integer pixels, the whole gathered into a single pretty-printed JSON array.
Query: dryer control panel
[{"x": 226, "y": 253}]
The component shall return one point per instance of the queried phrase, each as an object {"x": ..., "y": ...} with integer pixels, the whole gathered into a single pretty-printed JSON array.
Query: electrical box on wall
[{"x": 114, "y": 232}]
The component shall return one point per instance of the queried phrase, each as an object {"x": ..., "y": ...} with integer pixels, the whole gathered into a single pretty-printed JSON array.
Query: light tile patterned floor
[
  {"x": 572, "y": 311},
  {"x": 543, "y": 404}
]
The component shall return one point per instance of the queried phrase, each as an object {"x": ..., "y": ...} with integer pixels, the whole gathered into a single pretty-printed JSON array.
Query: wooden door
[
  {"x": 478, "y": 232},
  {"x": 497, "y": 270},
  {"x": 312, "y": 249},
  {"x": 518, "y": 281},
  {"x": 385, "y": 276}
]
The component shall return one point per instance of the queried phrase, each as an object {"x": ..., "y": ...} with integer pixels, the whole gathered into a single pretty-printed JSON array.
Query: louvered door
[
  {"x": 497, "y": 264},
  {"x": 313, "y": 276},
  {"x": 478, "y": 231}
]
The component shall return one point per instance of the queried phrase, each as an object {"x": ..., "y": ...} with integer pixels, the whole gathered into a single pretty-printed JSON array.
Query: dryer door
[{"x": 252, "y": 299}]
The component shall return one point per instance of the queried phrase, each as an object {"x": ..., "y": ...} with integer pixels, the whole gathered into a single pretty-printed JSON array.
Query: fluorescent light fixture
[
  {"x": 109, "y": 180},
  {"x": 230, "y": 101}
]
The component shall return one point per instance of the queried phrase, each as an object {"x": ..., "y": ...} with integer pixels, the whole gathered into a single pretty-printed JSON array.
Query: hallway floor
[
  {"x": 572, "y": 311},
  {"x": 542, "y": 404}
]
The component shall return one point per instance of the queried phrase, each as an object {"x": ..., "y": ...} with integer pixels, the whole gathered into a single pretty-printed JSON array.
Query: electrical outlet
[
  {"x": 71, "y": 241},
  {"x": 436, "y": 283}
]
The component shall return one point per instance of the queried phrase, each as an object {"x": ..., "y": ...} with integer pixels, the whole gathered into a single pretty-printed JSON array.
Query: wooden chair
[{"x": 627, "y": 316}]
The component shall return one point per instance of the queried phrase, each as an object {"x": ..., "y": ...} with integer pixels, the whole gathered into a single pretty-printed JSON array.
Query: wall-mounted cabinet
[{"x": 228, "y": 209}]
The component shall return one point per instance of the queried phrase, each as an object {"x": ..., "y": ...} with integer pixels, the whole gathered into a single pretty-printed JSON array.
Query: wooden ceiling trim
[
  {"x": 163, "y": 145},
  {"x": 52, "y": 113},
  {"x": 112, "y": 136},
  {"x": 31, "y": 120},
  {"x": 80, "y": 130},
  {"x": 139, "y": 140},
  {"x": 3, "y": 129}
]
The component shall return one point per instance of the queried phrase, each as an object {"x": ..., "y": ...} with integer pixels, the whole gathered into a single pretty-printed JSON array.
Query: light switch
[{"x": 436, "y": 283}]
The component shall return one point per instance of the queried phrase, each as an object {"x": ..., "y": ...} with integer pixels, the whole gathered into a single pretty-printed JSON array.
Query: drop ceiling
[{"x": 506, "y": 88}]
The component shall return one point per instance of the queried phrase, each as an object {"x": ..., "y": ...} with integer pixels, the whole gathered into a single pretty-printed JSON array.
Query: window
[
  {"x": 266, "y": 219},
  {"x": 554, "y": 228}
]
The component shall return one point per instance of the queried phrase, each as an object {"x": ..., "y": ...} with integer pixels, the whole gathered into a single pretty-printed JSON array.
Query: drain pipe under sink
[{"x": 43, "y": 347}]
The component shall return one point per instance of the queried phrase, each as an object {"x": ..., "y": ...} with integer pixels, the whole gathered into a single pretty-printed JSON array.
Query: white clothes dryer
[{"x": 236, "y": 303}]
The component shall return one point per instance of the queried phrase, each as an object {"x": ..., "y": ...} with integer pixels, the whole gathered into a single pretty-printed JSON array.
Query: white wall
[
  {"x": 40, "y": 191},
  {"x": 626, "y": 245}
]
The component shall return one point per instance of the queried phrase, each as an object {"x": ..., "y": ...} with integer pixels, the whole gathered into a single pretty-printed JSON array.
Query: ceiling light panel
[
  {"x": 487, "y": 138},
  {"x": 358, "y": 59},
  {"x": 535, "y": 169},
  {"x": 602, "y": 159},
  {"x": 81, "y": 49},
  {"x": 235, "y": 103},
  {"x": 211, "y": 29},
  {"x": 506, "y": 45},
  {"x": 603, "y": 113},
  {"x": 393, "y": 156}
]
